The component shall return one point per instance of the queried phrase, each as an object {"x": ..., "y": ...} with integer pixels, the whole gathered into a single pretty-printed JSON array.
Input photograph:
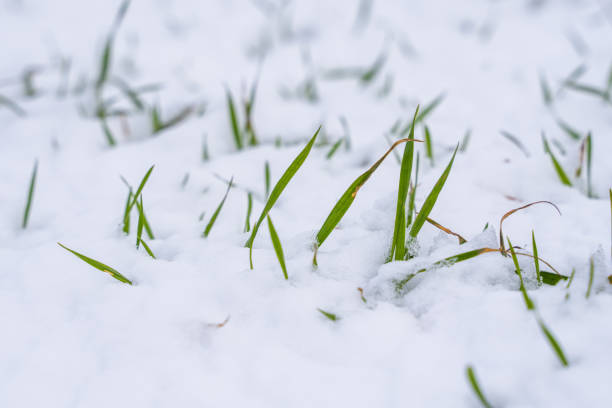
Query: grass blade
[
  {"x": 345, "y": 201},
  {"x": 147, "y": 249},
  {"x": 430, "y": 107},
  {"x": 333, "y": 149},
  {"x": 99, "y": 265},
  {"x": 558, "y": 168},
  {"x": 329, "y": 315},
  {"x": 277, "y": 247},
  {"x": 267, "y": 178},
  {"x": 589, "y": 148},
  {"x": 140, "y": 223},
  {"x": 126, "y": 213},
  {"x": 536, "y": 261},
  {"x": 430, "y": 201},
  {"x": 12, "y": 106},
  {"x": 234, "y": 121},
  {"x": 107, "y": 133},
  {"x": 528, "y": 301},
  {"x": 411, "y": 207},
  {"x": 212, "y": 220},
  {"x": 140, "y": 187},
  {"x": 398, "y": 245},
  {"x": 515, "y": 141},
  {"x": 571, "y": 132},
  {"x": 546, "y": 93},
  {"x": 372, "y": 72},
  {"x": 466, "y": 140},
  {"x": 553, "y": 343},
  {"x": 591, "y": 275},
  {"x": 476, "y": 387},
  {"x": 247, "y": 221},
  {"x": 428, "y": 146},
  {"x": 28, "y": 207},
  {"x": 278, "y": 189}
]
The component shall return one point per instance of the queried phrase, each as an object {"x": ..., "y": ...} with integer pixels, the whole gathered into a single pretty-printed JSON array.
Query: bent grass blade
[{"x": 99, "y": 265}]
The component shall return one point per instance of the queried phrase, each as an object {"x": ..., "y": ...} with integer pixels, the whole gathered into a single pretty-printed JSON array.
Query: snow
[{"x": 72, "y": 336}]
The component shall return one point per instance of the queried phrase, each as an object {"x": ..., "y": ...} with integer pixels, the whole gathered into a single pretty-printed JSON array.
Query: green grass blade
[
  {"x": 411, "y": 200},
  {"x": 345, "y": 201},
  {"x": 589, "y": 150},
  {"x": 587, "y": 89},
  {"x": 528, "y": 302},
  {"x": 398, "y": 245},
  {"x": 12, "y": 106},
  {"x": 571, "y": 132},
  {"x": 28, "y": 207},
  {"x": 430, "y": 201},
  {"x": 267, "y": 177},
  {"x": 371, "y": 73},
  {"x": 99, "y": 265},
  {"x": 212, "y": 220},
  {"x": 247, "y": 221},
  {"x": 126, "y": 213},
  {"x": 476, "y": 387},
  {"x": 278, "y": 189},
  {"x": 536, "y": 261},
  {"x": 558, "y": 168},
  {"x": 553, "y": 343},
  {"x": 277, "y": 247},
  {"x": 428, "y": 146},
  {"x": 515, "y": 141},
  {"x": 140, "y": 223},
  {"x": 550, "y": 278},
  {"x": 546, "y": 93},
  {"x": 140, "y": 187},
  {"x": 234, "y": 121},
  {"x": 147, "y": 249},
  {"x": 145, "y": 222},
  {"x": 466, "y": 140},
  {"x": 430, "y": 108},
  {"x": 591, "y": 276},
  {"x": 333, "y": 149},
  {"x": 107, "y": 133},
  {"x": 205, "y": 154},
  {"x": 330, "y": 316}
]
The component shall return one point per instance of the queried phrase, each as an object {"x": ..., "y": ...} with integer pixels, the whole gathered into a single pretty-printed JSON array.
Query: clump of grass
[
  {"x": 99, "y": 265},
  {"x": 331, "y": 316},
  {"x": 345, "y": 201},
  {"x": 278, "y": 189},
  {"x": 277, "y": 247},
  {"x": 471, "y": 376},
  {"x": 28, "y": 206},
  {"x": 212, "y": 220},
  {"x": 133, "y": 199}
]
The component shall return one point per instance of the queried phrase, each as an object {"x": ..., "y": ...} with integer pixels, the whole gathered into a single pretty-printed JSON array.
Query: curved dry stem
[
  {"x": 509, "y": 213},
  {"x": 440, "y": 227}
]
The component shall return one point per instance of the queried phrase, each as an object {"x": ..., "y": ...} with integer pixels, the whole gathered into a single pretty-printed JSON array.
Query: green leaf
[
  {"x": 126, "y": 213},
  {"x": 140, "y": 223},
  {"x": 591, "y": 276},
  {"x": 267, "y": 177},
  {"x": 536, "y": 261},
  {"x": 571, "y": 132},
  {"x": 278, "y": 189},
  {"x": 553, "y": 343},
  {"x": 398, "y": 245},
  {"x": 28, "y": 207},
  {"x": 515, "y": 140},
  {"x": 107, "y": 133},
  {"x": 147, "y": 249},
  {"x": 277, "y": 247},
  {"x": 589, "y": 148},
  {"x": 430, "y": 107},
  {"x": 247, "y": 221},
  {"x": 546, "y": 93},
  {"x": 560, "y": 172},
  {"x": 140, "y": 187},
  {"x": 528, "y": 302},
  {"x": 476, "y": 387},
  {"x": 550, "y": 278},
  {"x": 374, "y": 70},
  {"x": 212, "y": 220},
  {"x": 333, "y": 149},
  {"x": 329, "y": 315},
  {"x": 234, "y": 121},
  {"x": 99, "y": 265},
  {"x": 428, "y": 146},
  {"x": 430, "y": 201}
]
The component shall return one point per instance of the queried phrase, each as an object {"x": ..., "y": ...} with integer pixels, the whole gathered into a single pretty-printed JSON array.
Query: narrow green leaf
[
  {"x": 205, "y": 154},
  {"x": 430, "y": 201},
  {"x": 515, "y": 141},
  {"x": 398, "y": 245},
  {"x": 140, "y": 223},
  {"x": 126, "y": 213},
  {"x": 560, "y": 172},
  {"x": 571, "y": 132},
  {"x": 528, "y": 302},
  {"x": 267, "y": 177},
  {"x": 466, "y": 141},
  {"x": 247, "y": 221},
  {"x": 589, "y": 149},
  {"x": 333, "y": 149},
  {"x": 536, "y": 261},
  {"x": 546, "y": 93},
  {"x": 428, "y": 146},
  {"x": 411, "y": 200},
  {"x": 136, "y": 196},
  {"x": 553, "y": 343},
  {"x": 550, "y": 278},
  {"x": 374, "y": 70},
  {"x": 277, "y": 247},
  {"x": 476, "y": 387},
  {"x": 278, "y": 189},
  {"x": 329, "y": 315},
  {"x": 212, "y": 220},
  {"x": 587, "y": 89},
  {"x": 430, "y": 107},
  {"x": 107, "y": 133},
  {"x": 147, "y": 249},
  {"x": 234, "y": 121},
  {"x": 591, "y": 276},
  {"x": 28, "y": 207},
  {"x": 99, "y": 265},
  {"x": 12, "y": 106}
]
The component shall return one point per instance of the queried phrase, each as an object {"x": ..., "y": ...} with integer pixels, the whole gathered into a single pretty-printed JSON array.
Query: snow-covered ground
[{"x": 72, "y": 336}]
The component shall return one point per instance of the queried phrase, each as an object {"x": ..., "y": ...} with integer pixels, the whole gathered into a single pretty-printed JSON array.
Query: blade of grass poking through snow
[
  {"x": 345, "y": 201},
  {"x": 509, "y": 213},
  {"x": 140, "y": 223},
  {"x": 330, "y": 316},
  {"x": 147, "y": 249},
  {"x": 99, "y": 265},
  {"x": 212, "y": 220},
  {"x": 528, "y": 302},
  {"x": 105, "y": 61},
  {"x": 411, "y": 208},
  {"x": 145, "y": 222},
  {"x": 398, "y": 245},
  {"x": 333, "y": 149},
  {"x": 12, "y": 106},
  {"x": 546, "y": 93},
  {"x": 107, "y": 133},
  {"x": 571, "y": 132},
  {"x": 205, "y": 154},
  {"x": 536, "y": 261},
  {"x": 278, "y": 189},
  {"x": 430, "y": 201},
  {"x": 267, "y": 177},
  {"x": 374, "y": 70},
  {"x": 553, "y": 343},
  {"x": 247, "y": 221},
  {"x": 476, "y": 387},
  {"x": 28, "y": 206},
  {"x": 136, "y": 195},
  {"x": 591, "y": 275},
  {"x": 560, "y": 172},
  {"x": 466, "y": 140},
  {"x": 515, "y": 141},
  {"x": 277, "y": 247},
  {"x": 234, "y": 121},
  {"x": 428, "y": 146},
  {"x": 589, "y": 147},
  {"x": 126, "y": 213}
]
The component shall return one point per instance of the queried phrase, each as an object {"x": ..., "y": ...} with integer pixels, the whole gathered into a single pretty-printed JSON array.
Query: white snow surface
[{"x": 72, "y": 336}]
